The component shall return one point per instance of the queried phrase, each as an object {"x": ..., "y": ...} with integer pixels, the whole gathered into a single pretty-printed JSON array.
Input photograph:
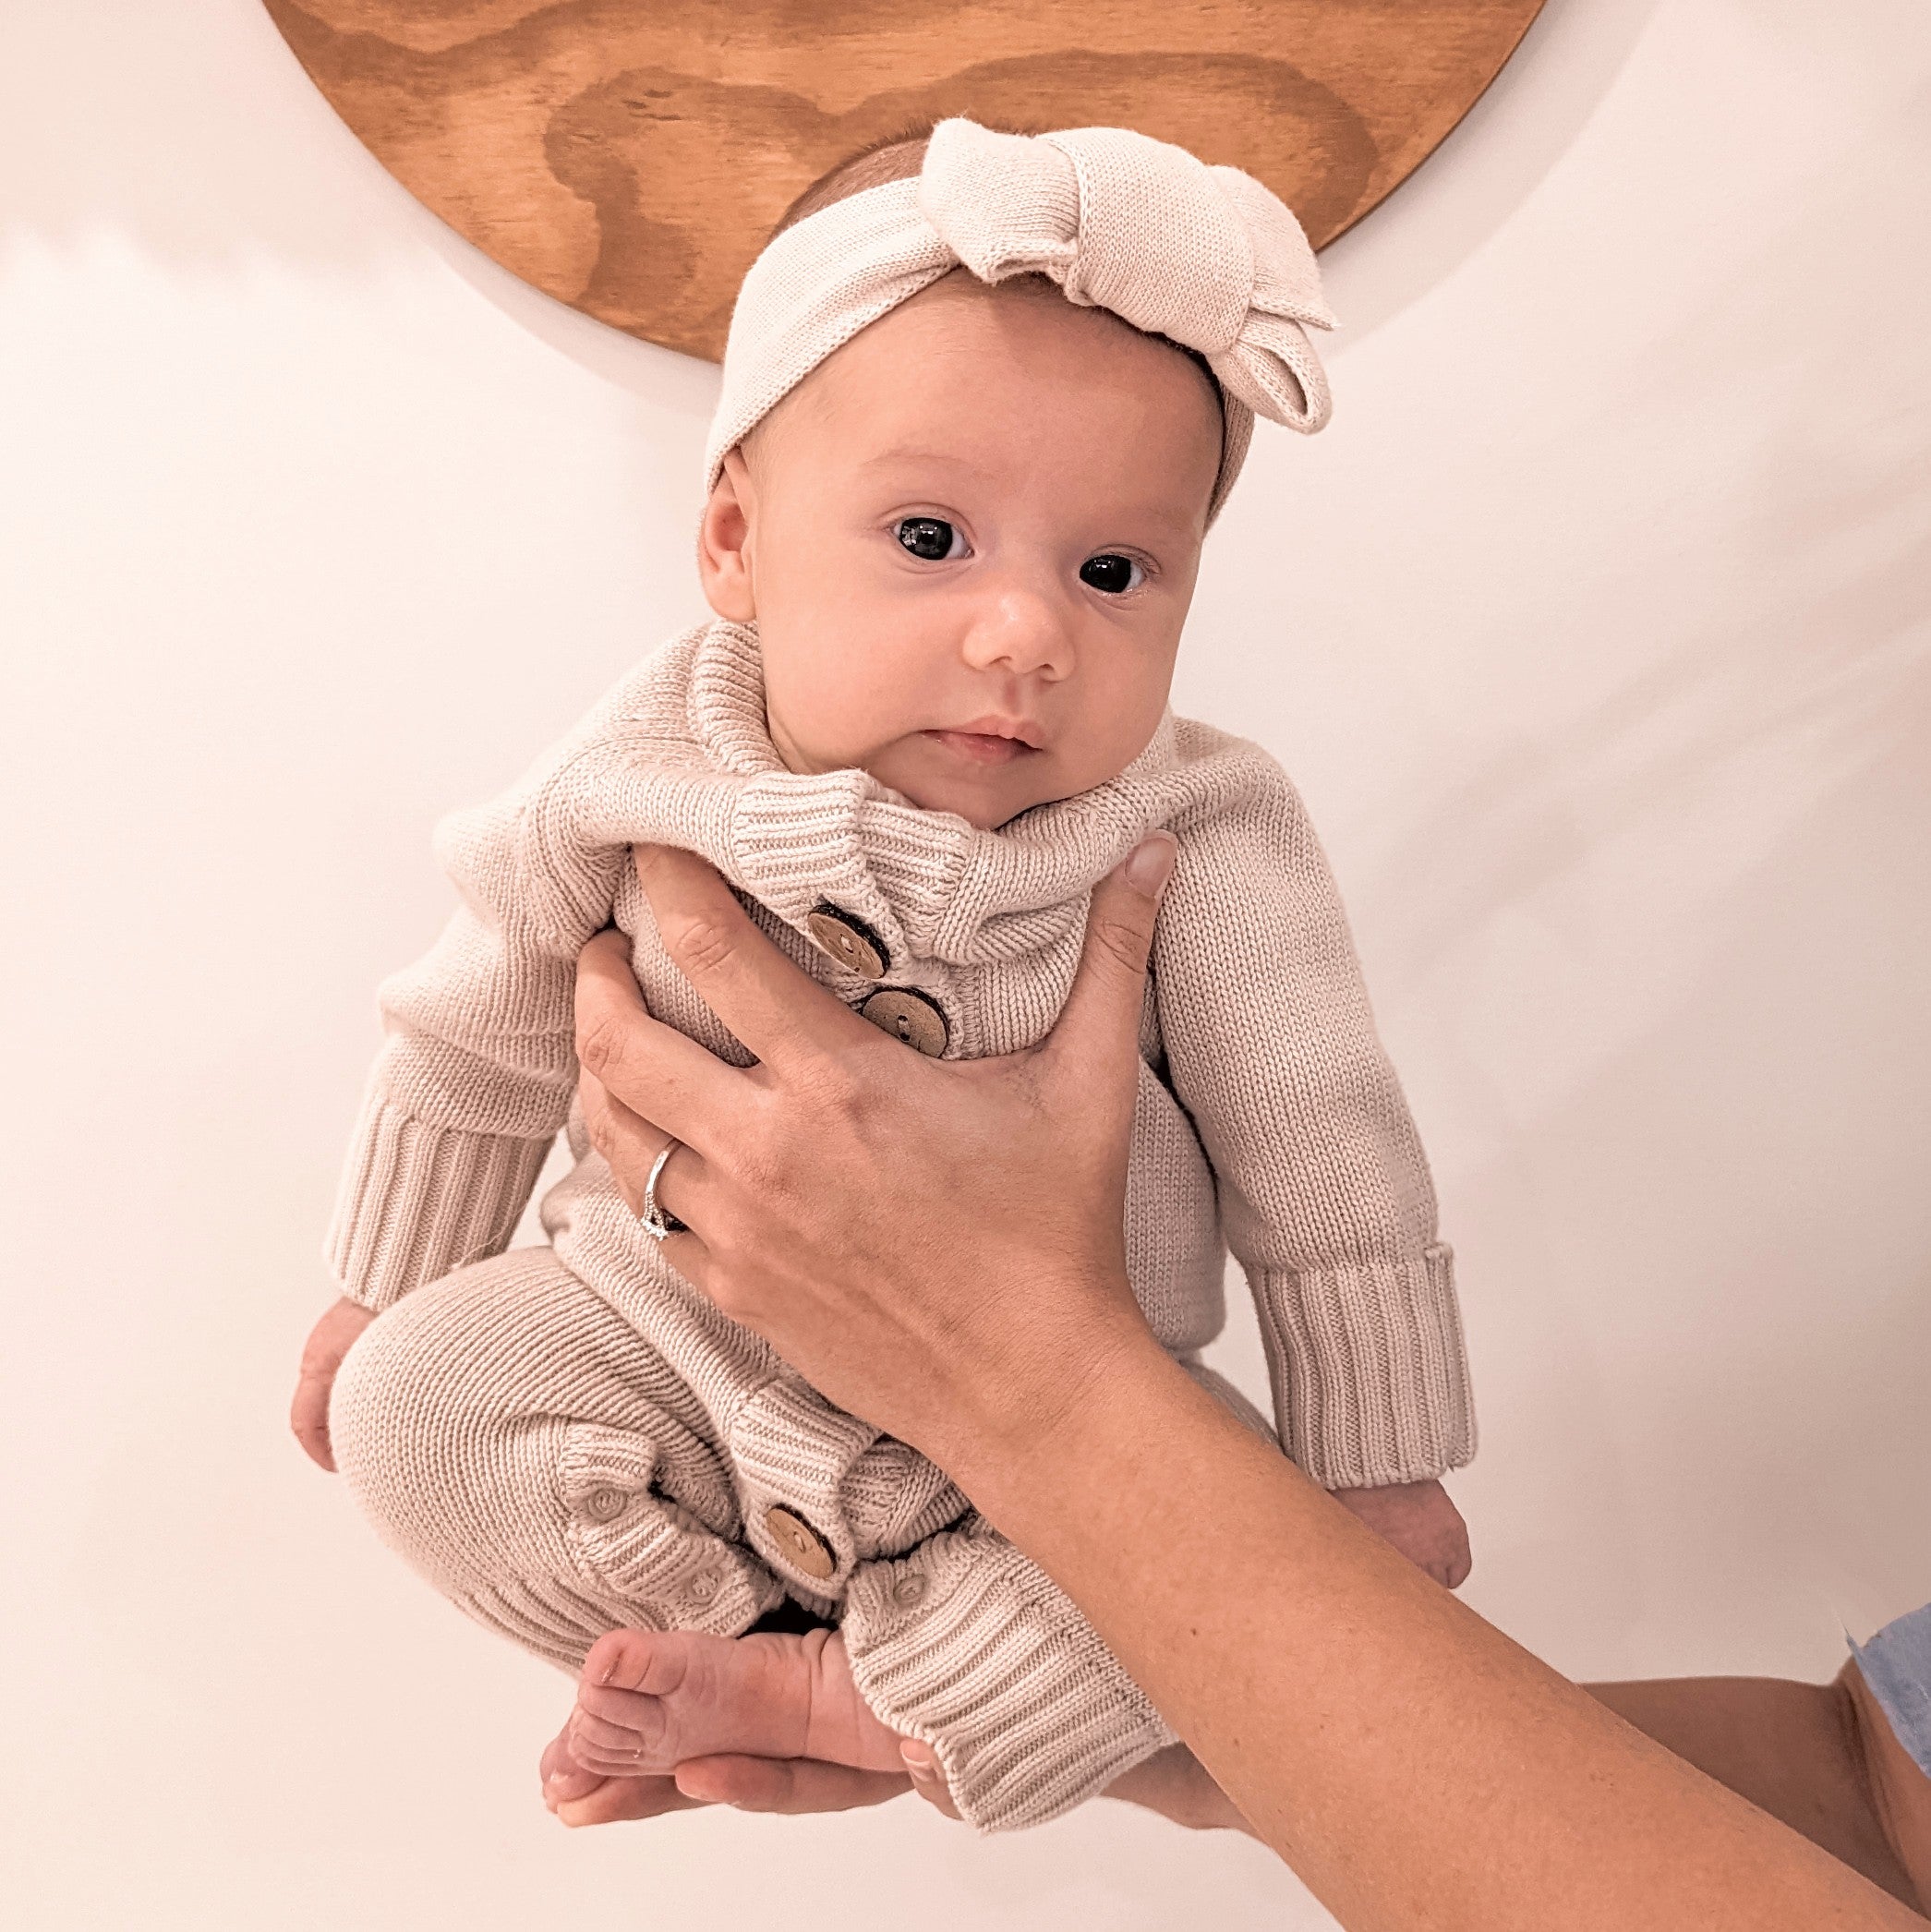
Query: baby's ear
[{"x": 724, "y": 541}]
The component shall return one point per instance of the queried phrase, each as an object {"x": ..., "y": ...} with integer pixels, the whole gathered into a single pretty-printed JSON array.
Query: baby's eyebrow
[{"x": 918, "y": 453}]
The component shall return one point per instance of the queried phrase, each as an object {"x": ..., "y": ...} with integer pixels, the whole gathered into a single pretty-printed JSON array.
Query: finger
[
  {"x": 629, "y": 1143},
  {"x": 309, "y": 1416},
  {"x": 772, "y": 1006},
  {"x": 650, "y": 1068},
  {"x": 928, "y": 1779},
  {"x": 927, "y": 1776},
  {"x": 631, "y": 1146},
  {"x": 784, "y": 1784},
  {"x": 620, "y": 1798},
  {"x": 1099, "y": 1027}
]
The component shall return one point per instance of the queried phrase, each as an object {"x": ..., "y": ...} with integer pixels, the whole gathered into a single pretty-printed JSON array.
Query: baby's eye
[
  {"x": 1112, "y": 572},
  {"x": 931, "y": 538}
]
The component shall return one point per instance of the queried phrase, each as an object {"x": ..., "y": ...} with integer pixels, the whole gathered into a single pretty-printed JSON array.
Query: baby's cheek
[
  {"x": 835, "y": 699},
  {"x": 1110, "y": 727}
]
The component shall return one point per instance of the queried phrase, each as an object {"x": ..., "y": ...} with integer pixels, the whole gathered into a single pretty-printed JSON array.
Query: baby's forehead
[{"x": 962, "y": 345}]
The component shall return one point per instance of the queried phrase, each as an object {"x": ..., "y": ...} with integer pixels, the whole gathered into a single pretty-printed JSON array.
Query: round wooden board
[{"x": 631, "y": 156}]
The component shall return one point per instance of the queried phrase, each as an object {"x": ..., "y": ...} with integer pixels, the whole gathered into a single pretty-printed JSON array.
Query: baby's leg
[
  {"x": 970, "y": 1648},
  {"x": 530, "y": 1454}
]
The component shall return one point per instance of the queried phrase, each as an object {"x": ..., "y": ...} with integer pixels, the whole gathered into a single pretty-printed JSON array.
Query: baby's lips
[
  {"x": 982, "y": 747},
  {"x": 999, "y": 725}
]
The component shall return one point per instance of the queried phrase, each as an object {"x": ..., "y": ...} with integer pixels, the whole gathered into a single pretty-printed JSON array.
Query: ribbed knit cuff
[
  {"x": 972, "y": 1649},
  {"x": 1371, "y": 1377},
  {"x": 418, "y": 1200}
]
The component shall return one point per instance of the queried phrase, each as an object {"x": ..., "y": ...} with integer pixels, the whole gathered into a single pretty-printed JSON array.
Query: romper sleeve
[
  {"x": 477, "y": 1069},
  {"x": 1325, "y": 1190}
]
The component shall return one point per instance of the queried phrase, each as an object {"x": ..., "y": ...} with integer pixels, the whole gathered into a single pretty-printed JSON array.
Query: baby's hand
[
  {"x": 327, "y": 1342},
  {"x": 1420, "y": 1521}
]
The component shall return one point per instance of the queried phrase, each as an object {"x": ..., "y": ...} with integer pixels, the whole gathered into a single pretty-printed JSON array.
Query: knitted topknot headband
[{"x": 1204, "y": 256}]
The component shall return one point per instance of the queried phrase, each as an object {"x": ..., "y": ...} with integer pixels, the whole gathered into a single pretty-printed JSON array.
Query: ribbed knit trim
[
  {"x": 726, "y": 700},
  {"x": 417, "y": 1202},
  {"x": 789, "y": 1447},
  {"x": 894, "y": 1499},
  {"x": 970, "y": 1647},
  {"x": 797, "y": 842},
  {"x": 659, "y": 1558},
  {"x": 1370, "y": 1374}
]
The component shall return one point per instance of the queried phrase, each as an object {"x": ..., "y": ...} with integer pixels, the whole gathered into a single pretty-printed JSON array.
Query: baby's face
[{"x": 969, "y": 539}]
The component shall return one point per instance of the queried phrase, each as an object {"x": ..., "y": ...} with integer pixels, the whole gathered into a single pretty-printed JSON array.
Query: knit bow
[{"x": 1204, "y": 256}]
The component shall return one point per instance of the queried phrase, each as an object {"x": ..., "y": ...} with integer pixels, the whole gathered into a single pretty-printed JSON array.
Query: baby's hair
[{"x": 898, "y": 157}]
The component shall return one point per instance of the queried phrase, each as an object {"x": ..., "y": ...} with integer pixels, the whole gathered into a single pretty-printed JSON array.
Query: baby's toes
[
  {"x": 652, "y": 1662},
  {"x": 615, "y": 1750},
  {"x": 564, "y": 1779},
  {"x": 627, "y": 1718}
]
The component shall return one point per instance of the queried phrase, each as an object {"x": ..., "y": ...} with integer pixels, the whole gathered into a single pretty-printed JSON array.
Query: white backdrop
[{"x": 1595, "y": 631}]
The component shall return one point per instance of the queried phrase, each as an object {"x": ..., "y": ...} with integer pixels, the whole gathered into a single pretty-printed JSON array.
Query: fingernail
[
  {"x": 918, "y": 1761},
  {"x": 1150, "y": 863}
]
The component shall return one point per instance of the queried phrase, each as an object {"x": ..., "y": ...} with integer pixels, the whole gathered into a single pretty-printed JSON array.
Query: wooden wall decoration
[{"x": 631, "y": 156}]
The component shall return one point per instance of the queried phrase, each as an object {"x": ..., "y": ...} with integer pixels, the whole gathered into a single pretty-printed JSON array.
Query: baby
[{"x": 983, "y": 393}]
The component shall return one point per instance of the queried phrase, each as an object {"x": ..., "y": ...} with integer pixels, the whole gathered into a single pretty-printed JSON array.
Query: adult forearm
[
  {"x": 1412, "y": 1764},
  {"x": 935, "y": 1244}
]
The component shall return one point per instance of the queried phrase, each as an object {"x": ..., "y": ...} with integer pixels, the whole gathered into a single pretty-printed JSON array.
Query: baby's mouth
[{"x": 989, "y": 741}]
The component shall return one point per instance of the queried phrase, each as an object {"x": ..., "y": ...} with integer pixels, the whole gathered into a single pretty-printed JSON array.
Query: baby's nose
[{"x": 1023, "y": 631}]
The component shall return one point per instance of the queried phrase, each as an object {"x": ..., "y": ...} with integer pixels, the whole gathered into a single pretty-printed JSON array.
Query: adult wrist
[{"x": 1053, "y": 1391}]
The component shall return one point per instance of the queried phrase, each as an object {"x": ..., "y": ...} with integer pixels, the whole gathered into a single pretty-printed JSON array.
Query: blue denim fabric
[{"x": 1897, "y": 1665}]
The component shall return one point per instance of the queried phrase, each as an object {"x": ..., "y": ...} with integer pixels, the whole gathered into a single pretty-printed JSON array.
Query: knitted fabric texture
[
  {"x": 540, "y": 1462},
  {"x": 1204, "y": 256},
  {"x": 1267, "y": 1117}
]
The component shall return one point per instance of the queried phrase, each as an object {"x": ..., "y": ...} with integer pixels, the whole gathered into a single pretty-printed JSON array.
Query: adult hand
[
  {"x": 935, "y": 1244},
  {"x": 1171, "y": 1782},
  {"x": 789, "y": 1786}
]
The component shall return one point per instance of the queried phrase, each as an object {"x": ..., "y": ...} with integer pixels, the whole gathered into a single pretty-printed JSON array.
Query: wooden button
[
  {"x": 804, "y": 1547},
  {"x": 848, "y": 940},
  {"x": 916, "y": 1018}
]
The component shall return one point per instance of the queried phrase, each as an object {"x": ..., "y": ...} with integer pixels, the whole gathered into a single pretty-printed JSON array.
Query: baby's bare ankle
[{"x": 844, "y": 1729}]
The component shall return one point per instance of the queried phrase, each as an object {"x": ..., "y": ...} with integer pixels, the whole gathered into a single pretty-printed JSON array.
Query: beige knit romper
[{"x": 569, "y": 1438}]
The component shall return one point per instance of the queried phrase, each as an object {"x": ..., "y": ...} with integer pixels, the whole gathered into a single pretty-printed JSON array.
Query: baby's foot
[
  {"x": 650, "y": 1701},
  {"x": 581, "y": 1797}
]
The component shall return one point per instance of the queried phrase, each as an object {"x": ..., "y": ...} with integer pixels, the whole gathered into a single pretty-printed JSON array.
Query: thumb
[{"x": 1100, "y": 1023}]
